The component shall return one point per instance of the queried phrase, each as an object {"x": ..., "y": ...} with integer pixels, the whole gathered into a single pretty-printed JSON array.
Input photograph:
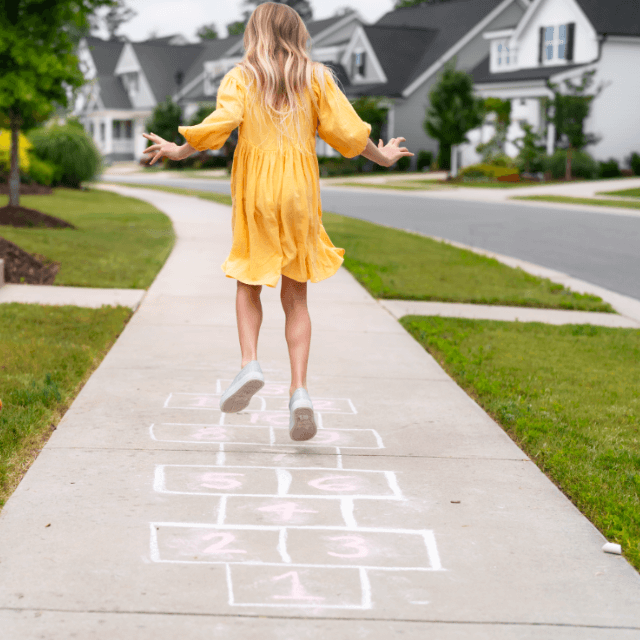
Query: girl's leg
[
  {"x": 297, "y": 329},
  {"x": 249, "y": 316}
]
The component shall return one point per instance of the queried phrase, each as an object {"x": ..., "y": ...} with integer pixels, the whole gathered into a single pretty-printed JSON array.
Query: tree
[
  {"x": 453, "y": 111},
  {"x": 40, "y": 70},
  {"x": 502, "y": 110},
  {"x": 208, "y": 32},
  {"x": 165, "y": 120},
  {"x": 530, "y": 150},
  {"x": 568, "y": 113},
  {"x": 414, "y": 3},
  {"x": 236, "y": 28},
  {"x": 117, "y": 15}
]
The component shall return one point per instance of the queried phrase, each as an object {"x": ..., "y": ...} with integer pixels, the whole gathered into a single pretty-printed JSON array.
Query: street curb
[{"x": 624, "y": 305}]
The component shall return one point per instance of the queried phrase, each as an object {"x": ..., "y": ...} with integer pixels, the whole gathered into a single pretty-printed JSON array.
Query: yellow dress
[{"x": 277, "y": 214}]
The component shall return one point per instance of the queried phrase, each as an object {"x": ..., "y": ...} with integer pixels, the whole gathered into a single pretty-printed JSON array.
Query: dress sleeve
[
  {"x": 214, "y": 130},
  {"x": 338, "y": 123}
]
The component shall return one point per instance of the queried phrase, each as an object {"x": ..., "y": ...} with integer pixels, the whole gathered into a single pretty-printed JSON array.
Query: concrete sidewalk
[
  {"x": 149, "y": 514},
  {"x": 75, "y": 296}
]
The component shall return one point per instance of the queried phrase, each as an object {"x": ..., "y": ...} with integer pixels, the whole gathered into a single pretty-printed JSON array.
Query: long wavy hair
[{"x": 278, "y": 65}]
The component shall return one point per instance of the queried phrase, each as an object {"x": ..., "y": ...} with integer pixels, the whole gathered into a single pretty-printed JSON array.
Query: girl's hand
[
  {"x": 392, "y": 151},
  {"x": 162, "y": 148}
]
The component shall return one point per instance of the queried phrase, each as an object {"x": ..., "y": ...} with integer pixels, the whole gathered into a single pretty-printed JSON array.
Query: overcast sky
[{"x": 166, "y": 17}]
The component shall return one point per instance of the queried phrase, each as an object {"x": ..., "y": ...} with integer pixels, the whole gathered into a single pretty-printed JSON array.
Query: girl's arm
[
  {"x": 385, "y": 155},
  {"x": 165, "y": 149}
]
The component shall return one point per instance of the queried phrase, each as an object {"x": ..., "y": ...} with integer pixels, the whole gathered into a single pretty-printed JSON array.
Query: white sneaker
[
  {"x": 302, "y": 425},
  {"x": 248, "y": 382}
]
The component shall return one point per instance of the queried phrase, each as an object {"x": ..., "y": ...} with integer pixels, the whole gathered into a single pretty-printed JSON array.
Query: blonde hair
[{"x": 276, "y": 32}]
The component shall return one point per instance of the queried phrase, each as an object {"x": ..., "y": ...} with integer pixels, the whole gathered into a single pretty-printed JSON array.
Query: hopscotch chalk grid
[{"x": 270, "y": 530}]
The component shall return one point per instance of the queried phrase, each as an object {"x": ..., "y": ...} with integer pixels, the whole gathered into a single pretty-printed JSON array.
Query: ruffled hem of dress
[{"x": 271, "y": 280}]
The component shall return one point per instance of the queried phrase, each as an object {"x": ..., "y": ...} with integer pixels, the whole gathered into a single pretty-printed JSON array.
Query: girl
[{"x": 278, "y": 97}]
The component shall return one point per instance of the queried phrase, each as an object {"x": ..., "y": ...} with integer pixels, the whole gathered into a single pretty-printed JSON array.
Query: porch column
[{"x": 551, "y": 137}]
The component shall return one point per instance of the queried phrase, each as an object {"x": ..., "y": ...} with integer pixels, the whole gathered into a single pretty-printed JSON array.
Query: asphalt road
[{"x": 603, "y": 249}]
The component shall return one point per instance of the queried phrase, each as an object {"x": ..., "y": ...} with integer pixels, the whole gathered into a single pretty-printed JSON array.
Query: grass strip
[
  {"x": 568, "y": 395},
  {"x": 625, "y": 204},
  {"x": 120, "y": 242},
  {"x": 630, "y": 193},
  {"x": 395, "y": 264},
  {"x": 428, "y": 269},
  {"x": 434, "y": 185},
  {"x": 47, "y": 353}
]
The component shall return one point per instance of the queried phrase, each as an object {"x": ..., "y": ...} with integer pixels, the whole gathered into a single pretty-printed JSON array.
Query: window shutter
[
  {"x": 571, "y": 28},
  {"x": 541, "y": 45}
]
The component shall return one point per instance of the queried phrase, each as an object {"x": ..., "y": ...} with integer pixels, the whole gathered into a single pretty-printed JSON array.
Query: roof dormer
[{"x": 503, "y": 51}]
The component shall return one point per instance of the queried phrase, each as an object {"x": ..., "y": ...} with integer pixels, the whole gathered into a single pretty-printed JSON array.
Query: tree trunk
[
  {"x": 568, "y": 172},
  {"x": 14, "y": 175}
]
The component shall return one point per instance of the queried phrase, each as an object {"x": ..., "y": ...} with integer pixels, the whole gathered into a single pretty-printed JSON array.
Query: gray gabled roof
[
  {"x": 481, "y": 73},
  {"x": 616, "y": 17},
  {"x": 211, "y": 50},
  {"x": 105, "y": 54},
  {"x": 160, "y": 63},
  {"x": 112, "y": 93},
  {"x": 452, "y": 19},
  {"x": 317, "y": 26}
]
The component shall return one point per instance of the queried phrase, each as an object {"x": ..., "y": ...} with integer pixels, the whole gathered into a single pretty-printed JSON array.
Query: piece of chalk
[{"x": 612, "y": 547}]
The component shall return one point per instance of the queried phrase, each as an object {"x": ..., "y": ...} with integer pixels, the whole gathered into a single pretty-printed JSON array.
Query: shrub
[
  {"x": 212, "y": 162},
  {"x": 503, "y": 160},
  {"x": 42, "y": 172},
  {"x": 403, "y": 164},
  {"x": 424, "y": 160},
  {"x": 634, "y": 163},
  {"x": 582, "y": 164},
  {"x": 609, "y": 169},
  {"x": 489, "y": 171},
  {"x": 71, "y": 149}
]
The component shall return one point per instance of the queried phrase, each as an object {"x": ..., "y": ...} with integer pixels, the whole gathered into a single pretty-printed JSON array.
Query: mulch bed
[
  {"x": 21, "y": 267},
  {"x": 27, "y": 189},
  {"x": 23, "y": 217}
]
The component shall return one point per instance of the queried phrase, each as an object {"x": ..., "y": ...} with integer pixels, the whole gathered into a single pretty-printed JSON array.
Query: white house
[{"x": 558, "y": 40}]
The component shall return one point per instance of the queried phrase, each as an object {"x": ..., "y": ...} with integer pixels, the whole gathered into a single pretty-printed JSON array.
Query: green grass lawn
[
  {"x": 46, "y": 355},
  {"x": 630, "y": 193},
  {"x": 120, "y": 242},
  {"x": 625, "y": 204},
  {"x": 391, "y": 263},
  {"x": 568, "y": 395}
]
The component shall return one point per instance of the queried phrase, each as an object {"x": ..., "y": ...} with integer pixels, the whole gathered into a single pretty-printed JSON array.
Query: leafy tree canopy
[
  {"x": 207, "y": 32},
  {"x": 37, "y": 55}
]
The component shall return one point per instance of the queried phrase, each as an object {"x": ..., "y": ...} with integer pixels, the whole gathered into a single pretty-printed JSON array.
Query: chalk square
[
  {"x": 209, "y": 434},
  {"x": 298, "y": 587},
  {"x": 342, "y": 438},
  {"x": 213, "y": 544},
  {"x": 215, "y": 480},
  {"x": 385, "y": 549},
  {"x": 343, "y": 483},
  {"x": 283, "y": 511}
]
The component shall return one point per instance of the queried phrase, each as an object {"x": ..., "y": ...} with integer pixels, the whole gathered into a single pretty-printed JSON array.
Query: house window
[
  {"x": 562, "y": 40},
  {"x": 555, "y": 42},
  {"x": 548, "y": 42},
  {"x": 102, "y": 131},
  {"x": 91, "y": 129},
  {"x": 500, "y": 47},
  {"x": 131, "y": 81},
  {"x": 523, "y": 102},
  {"x": 122, "y": 129},
  {"x": 358, "y": 63}
]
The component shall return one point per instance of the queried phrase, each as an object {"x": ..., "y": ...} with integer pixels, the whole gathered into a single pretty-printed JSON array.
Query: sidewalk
[{"x": 149, "y": 514}]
